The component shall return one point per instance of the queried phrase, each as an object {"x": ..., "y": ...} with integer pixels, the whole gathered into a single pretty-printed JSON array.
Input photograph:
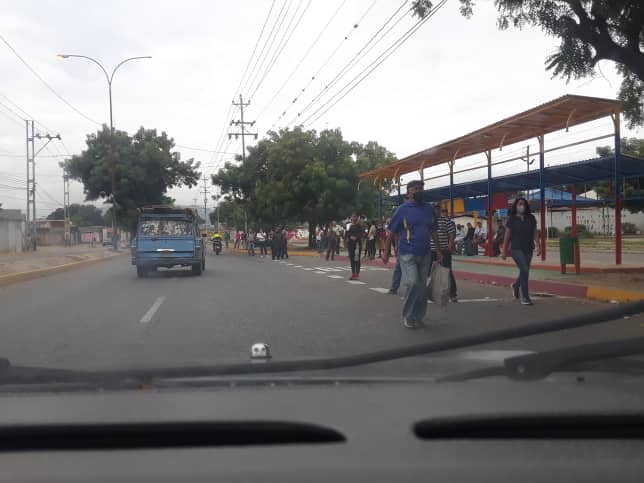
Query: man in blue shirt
[{"x": 414, "y": 224}]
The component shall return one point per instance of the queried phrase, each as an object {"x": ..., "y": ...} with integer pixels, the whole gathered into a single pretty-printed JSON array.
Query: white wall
[
  {"x": 598, "y": 220},
  {"x": 11, "y": 235}
]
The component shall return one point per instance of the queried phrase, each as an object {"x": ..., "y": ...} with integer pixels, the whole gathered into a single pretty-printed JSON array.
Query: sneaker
[
  {"x": 515, "y": 290},
  {"x": 454, "y": 300},
  {"x": 526, "y": 301},
  {"x": 352, "y": 277},
  {"x": 392, "y": 291},
  {"x": 410, "y": 324},
  {"x": 357, "y": 277}
]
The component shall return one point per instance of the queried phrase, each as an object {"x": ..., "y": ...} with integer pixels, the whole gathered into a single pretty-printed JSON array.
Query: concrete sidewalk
[{"x": 16, "y": 267}]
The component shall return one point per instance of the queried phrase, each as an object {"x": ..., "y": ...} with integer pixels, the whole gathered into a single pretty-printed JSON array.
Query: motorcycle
[{"x": 216, "y": 246}]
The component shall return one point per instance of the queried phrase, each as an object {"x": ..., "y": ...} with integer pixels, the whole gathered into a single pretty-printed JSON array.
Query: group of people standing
[
  {"x": 275, "y": 239},
  {"x": 426, "y": 234}
]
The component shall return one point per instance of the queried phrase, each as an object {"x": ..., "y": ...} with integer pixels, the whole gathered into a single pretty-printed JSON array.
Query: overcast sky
[{"x": 452, "y": 76}]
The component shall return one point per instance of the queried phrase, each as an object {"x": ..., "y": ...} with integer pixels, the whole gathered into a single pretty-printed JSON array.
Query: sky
[{"x": 451, "y": 76}]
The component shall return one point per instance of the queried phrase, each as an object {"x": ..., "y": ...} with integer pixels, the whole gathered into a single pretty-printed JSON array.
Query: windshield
[
  {"x": 164, "y": 227},
  {"x": 225, "y": 182}
]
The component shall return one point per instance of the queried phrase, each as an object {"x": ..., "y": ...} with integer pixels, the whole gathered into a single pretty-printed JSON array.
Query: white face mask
[{"x": 521, "y": 209}]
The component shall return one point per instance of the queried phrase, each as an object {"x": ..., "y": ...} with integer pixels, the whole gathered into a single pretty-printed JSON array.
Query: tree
[
  {"x": 145, "y": 168},
  {"x": 300, "y": 176},
  {"x": 371, "y": 156},
  {"x": 80, "y": 215},
  {"x": 590, "y": 31},
  {"x": 632, "y": 187}
]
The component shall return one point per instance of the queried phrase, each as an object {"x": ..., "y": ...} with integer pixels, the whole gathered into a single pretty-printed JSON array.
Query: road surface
[{"x": 104, "y": 317}]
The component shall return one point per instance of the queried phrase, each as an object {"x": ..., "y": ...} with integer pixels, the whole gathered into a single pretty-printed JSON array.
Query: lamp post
[{"x": 109, "y": 78}]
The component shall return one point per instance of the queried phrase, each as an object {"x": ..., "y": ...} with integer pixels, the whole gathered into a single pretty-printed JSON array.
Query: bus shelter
[{"x": 556, "y": 115}]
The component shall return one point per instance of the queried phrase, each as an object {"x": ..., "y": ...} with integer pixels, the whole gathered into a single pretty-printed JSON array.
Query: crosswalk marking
[
  {"x": 379, "y": 289},
  {"x": 307, "y": 269},
  {"x": 319, "y": 272},
  {"x": 356, "y": 282},
  {"x": 335, "y": 276}
]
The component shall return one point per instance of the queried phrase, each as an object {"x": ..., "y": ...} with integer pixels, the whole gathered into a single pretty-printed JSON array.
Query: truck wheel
[
  {"x": 141, "y": 272},
  {"x": 196, "y": 269}
]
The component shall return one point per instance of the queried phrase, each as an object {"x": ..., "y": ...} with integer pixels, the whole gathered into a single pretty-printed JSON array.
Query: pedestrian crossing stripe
[
  {"x": 379, "y": 289},
  {"x": 335, "y": 276},
  {"x": 344, "y": 268},
  {"x": 356, "y": 282},
  {"x": 319, "y": 272},
  {"x": 297, "y": 266},
  {"x": 307, "y": 268}
]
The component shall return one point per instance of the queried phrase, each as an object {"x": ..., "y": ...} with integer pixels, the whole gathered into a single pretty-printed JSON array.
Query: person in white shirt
[{"x": 260, "y": 241}]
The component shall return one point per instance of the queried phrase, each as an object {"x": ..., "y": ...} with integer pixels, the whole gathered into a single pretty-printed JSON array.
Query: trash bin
[{"x": 569, "y": 252}]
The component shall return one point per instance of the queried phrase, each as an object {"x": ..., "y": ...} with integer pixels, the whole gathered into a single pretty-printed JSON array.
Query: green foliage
[
  {"x": 144, "y": 168},
  {"x": 589, "y": 31},
  {"x": 553, "y": 232},
  {"x": 80, "y": 215},
  {"x": 582, "y": 231},
  {"x": 629, "y": 228},
  {"x": 301, "y": 176},
  {"x": 632, "y": 187}
]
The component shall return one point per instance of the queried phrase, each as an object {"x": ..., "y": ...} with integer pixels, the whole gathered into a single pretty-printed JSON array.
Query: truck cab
[{"x": 168, "y": 237}]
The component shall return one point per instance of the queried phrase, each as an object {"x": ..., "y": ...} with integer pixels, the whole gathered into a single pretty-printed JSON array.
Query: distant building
[
  {"x": 55, "y": 232},
  {"x": 12, "y": 230}
]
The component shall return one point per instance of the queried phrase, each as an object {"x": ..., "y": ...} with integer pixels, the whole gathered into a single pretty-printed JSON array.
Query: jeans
[
  {"x": 330, "y": 251},
  {"x": 447, "y": 263},
  {"x": 262, "y": 248},
  {"x": 251, "y": 248},
  {"x": 522, "y": 259},
  {"x": 395, "y": 278},
  {"x": 354, "y": 257},
  {"x": 414, "y": 275}
]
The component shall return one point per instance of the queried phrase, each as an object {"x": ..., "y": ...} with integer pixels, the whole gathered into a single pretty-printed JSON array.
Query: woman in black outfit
[
  {"x": 353, "y": 240},
  {"x": 522, "y": 237}
]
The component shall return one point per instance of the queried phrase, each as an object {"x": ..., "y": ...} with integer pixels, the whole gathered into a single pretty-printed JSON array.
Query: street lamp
[{"x": 109, "y": 78}]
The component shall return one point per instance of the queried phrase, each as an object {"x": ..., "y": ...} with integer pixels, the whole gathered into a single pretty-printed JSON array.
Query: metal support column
[
  {"x": 451, "y": 186},
  {"x": 573, "y": 222},
  {"x": 542, "y": 195},
  {"x": 618, "y": 191},
  {"x": 31, "y": 185},
  {"x": 490, "y": 195}
]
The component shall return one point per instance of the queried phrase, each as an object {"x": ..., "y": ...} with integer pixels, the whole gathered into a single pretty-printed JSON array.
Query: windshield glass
[
  {"x": 162, "y": 227},
  {"x": 206, "y": 182}
]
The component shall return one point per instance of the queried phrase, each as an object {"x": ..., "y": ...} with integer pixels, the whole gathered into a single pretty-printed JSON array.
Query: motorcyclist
[{"x": 216, "y": 240}]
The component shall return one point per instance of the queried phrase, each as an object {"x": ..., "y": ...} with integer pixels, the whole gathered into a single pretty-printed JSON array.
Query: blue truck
[{"x": 168, "y": 237}]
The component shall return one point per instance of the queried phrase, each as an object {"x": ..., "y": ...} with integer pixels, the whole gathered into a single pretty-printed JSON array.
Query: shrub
[
  {"x": 582, "y": 231},
  {"x": 553, "y": 232},
  {"x": 629, "y": 228}
]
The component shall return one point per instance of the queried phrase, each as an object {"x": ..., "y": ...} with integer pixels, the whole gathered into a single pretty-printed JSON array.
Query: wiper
[
  {"x": 10, "y": 375},
  {"x": 541, "y": 364}
]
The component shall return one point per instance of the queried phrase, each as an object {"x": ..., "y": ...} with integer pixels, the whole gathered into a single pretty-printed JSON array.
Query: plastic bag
[{"x": 438, "y": 287}]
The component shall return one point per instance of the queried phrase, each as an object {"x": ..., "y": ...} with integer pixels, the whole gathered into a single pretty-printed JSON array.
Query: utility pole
[
  {"x": 68, "y": 237},
  {"x": 241, "y": 124},
  {"x": 205, "y": 191},
  {"x": 528, "y": 162},
  {"x": 31, "y": 136}
]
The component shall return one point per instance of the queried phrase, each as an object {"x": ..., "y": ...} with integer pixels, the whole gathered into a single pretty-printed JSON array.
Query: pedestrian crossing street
[{"x": 333, "y": 272}]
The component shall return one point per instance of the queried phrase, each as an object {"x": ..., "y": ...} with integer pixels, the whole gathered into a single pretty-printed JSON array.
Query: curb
[
  {"x": 600, "y": 293},
  {"x": 44, "y": 272},
  {"x": 555, "y": 268}
]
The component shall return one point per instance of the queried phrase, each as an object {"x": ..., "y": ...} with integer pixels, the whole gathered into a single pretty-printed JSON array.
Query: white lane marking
[
  {"x": 308, "y": 269},
  {"x": 377, "y": 269},
  {"x": 290, "y": 264},
  {"x": 356, "y": 282},
  {"x": 297, "y": 266},
  {"x": 335, "y": 276},
  {"x": 379, "y": 289},
  {"x": 348, "y": 269},
  {"x": 465, "y": 301},
  {"x": 319, "y": 272},
  {"x": 147, "y": 317}
]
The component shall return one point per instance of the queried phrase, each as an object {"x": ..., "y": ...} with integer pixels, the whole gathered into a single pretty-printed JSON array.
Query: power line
[
  {"x": 308, "y": 51},
  {"x": 12, "y": 111},
  {"x": 250, "y": 59},
  {"x": 11, "y": 118},
  {"x": 328, "y": 59},
  {"x": 205, "y": 150},
  {"x": 45, "y": 83},
  {"x": 269, "y": 41},
  {"x": 353, "y": 62},
  {"x": 283, "y": 43},
  {"x": 374, "y": 65}
]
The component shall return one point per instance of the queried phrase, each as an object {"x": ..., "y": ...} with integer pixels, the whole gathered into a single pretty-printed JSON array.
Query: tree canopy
[
  {"x": 300, "y": 176},
  {"x": 145, "y": 167},
  {"x": 589, "y": 31},
  {"x": 80, "y": 215}
]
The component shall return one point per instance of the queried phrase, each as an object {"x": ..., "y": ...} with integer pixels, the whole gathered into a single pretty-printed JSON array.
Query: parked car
[{"x": 168, "y": 237}]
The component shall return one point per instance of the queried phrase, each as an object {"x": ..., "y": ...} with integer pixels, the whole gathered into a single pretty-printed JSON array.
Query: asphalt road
[{"x": 103, "y": 316}]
